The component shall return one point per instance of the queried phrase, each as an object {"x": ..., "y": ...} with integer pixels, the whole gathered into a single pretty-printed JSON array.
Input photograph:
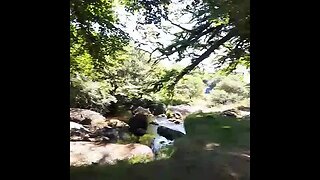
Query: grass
[
  {"x": 190, "y": 160},
  {"x": 226, "y": 131}
]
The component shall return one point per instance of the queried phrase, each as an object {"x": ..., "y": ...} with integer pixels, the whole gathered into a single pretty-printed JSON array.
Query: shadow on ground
[{"x": 215, "y": 147}]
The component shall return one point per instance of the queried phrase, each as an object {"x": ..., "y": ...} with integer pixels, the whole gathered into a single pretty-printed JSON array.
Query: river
[{"x": 159, "y": 140}]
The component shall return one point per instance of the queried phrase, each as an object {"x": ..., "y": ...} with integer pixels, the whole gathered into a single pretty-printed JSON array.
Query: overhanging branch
[
  {"x": 179, "y": 26},
  {"x": 205, "y": 55}
]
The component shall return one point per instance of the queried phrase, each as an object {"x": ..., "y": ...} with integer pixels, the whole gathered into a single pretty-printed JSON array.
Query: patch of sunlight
[
  {"x": 226, "y": 127},
  {"x": 211, "y": 146}
]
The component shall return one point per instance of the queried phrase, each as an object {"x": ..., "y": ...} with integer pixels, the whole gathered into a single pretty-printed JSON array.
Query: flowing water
[{"x": 161, "y": 141}]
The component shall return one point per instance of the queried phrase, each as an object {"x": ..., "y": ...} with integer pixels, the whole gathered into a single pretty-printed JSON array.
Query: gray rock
[
  {"x": 231, "y": 113},
  {"x": 243, "y": 108},
  {"x": 138, "y": 124},
  {"x": 158, "y": 109},
  {"x": 177, "y": 115},
  {"x": 168, "y": 133},
  {"x": 161, "y": 116},
  {"x": 87, "y": 153},
  {"x": 74, "y": 125},
  {"x": 85, "y": 116}
]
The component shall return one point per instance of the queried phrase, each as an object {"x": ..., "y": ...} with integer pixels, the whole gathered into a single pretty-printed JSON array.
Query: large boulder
[
  {"x": 158, "y": 108},
  {"x": 112, "y": 134},
  {"x": 79, "y": 135},
  {"x": 185, "y": 110},
  {"x": 116, "y": 123},
  {"x": 243, "y": 108},
  {"x": 87, "y": 153},
  {"x": 141, "y": 110},
  {"x": 231, "y": 113},
  {"x": 98, "y": 134},
  {"x": 78, "y": 126},
  {"x": 139, "y": 122},
  {"x": 85, "y": 116},
  {"x": 78, "y": 132},
  {"x": 168, "y": 133}
]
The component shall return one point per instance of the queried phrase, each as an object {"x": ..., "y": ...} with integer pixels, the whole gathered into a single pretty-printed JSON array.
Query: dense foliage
[
  {"x": 215, "y": 24},
  {"x": 93, "y": 31},
  {"x": 106, "y": 65}
]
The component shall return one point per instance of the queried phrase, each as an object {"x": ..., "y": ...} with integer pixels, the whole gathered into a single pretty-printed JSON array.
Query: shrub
[
  {"x": 166, "y": 152},
  {"x": 230, "y": 89},
  {"x": 222, "y": 97},
  {"x": 233, "y": 84},
  {"x": 129, "y": 138},
  {"x": 140, "y": 159},
  {"x": 147, "y": 139},
  {"x": 92, "y": 95},
  {"x": 188, "y": 89}
]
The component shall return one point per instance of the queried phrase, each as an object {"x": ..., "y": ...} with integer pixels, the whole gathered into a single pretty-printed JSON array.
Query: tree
[
  {"x": 190, "y": 86},
  {"x": 134, "y": 74},
  {"x": 99, "y": 47},
  {"x": 93, "y": 32},
  {"x": 217, "y": 23}
]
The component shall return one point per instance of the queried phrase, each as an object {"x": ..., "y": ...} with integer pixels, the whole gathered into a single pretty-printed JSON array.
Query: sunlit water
[{"x": 160, "y": 141}]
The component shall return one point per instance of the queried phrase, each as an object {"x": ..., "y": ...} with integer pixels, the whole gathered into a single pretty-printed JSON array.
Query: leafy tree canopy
[
  {"x": 93, "y": 32},
  {"x": 104, "y": 62},
  {"x": 216, "y": 24}
]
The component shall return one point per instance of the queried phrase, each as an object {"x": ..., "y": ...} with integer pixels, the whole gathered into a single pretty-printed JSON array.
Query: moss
[
  {"x": 147, "y": 139},
  {"x": 166, "y": 152},
  {"x": 140, "y": 159}
]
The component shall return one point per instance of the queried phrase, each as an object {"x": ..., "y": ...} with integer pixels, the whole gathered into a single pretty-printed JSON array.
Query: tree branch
[
  {"x": 194, "y": 36},
  {"x": 185, "y": 29},
  {"x": 205, "y": 55}
]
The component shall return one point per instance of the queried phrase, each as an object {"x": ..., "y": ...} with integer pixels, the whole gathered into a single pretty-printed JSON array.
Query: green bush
[
  {"x": 92, "y": 95},
  {"x": 222, "y": 97},
  {"x": 128, "y": 138},
  {"x": 188, "y": 89},
  {"x": 140, "y": 159},
  {"x": 233, "y": 84},
  {"x": 229, "y": 89},
  {"x": 213, "y": 83},
  {"x": 166, "y": 152},
  {"x": 146, "y": 139}
]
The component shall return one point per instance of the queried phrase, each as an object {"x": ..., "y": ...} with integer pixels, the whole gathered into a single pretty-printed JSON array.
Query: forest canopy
[{"x": 106, "y": 61}]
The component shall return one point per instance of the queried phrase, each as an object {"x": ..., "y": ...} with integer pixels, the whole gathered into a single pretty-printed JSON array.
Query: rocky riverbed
[{"x": 95, "y": 139}]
